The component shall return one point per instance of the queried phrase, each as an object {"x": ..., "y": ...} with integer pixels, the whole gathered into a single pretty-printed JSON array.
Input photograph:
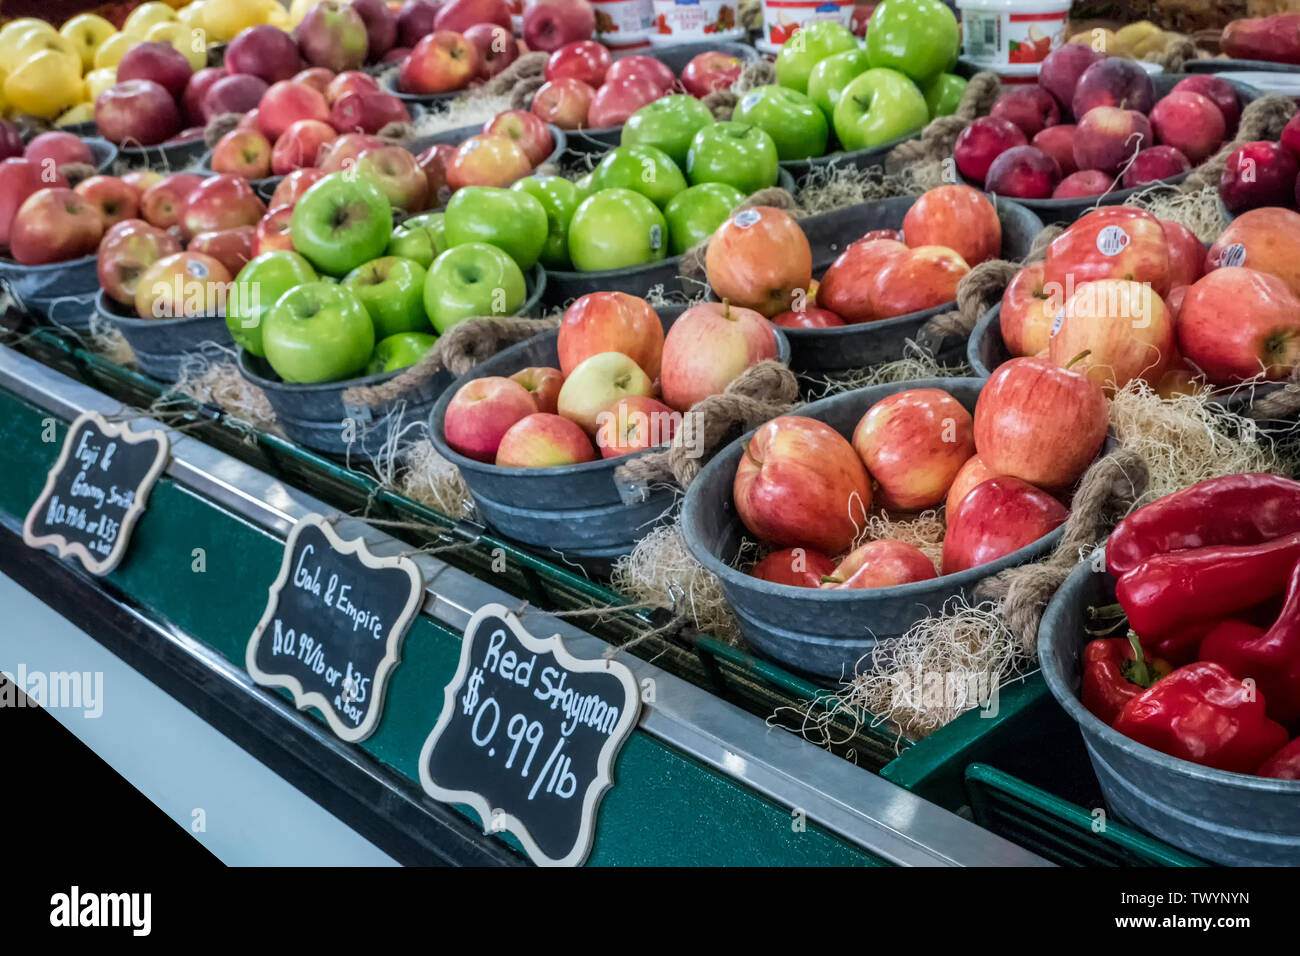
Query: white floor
[{"x": 248, "y": 815}]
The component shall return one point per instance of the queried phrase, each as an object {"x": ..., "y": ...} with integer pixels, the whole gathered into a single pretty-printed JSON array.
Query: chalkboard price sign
[
  {"x": 96, "y": 491},
  {"x": 528, "y": 736},
  {"x": 333, "y": 627}
]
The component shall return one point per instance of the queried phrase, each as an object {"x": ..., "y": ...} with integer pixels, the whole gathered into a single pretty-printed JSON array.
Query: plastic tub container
[
  {"x": 685, "y": 21},
  {"x": 623, "y": 25},
  {"x": 997, "y": 33},
  {"x": 163, "y": 346},
  {"x": 61, "y": 292},
  {"x": 574, "y": 509},
  {"x": 1229, "y": 818},
  {"x": 782, "y": 18},
  {"x": 812, "y": 631}
]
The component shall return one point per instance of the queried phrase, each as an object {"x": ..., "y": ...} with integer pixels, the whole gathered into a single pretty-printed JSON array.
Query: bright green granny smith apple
[
  {"x": 472, "y": 280},
  {"x": 318, "y": 332},
  {"x": 508, "y": 219},
  {"x": 791, "y": 118},
  {"x": 806, "y": 48},
  {"x": 559, "y": 198},
  {"x": 696, "y": 213},
  {"x": 399, "y": 351},
  {"x": 878, "y": 107},
  {"x": 616, "y": 228},
  {"x": 831, "y": 75},
  {"x": 738, "y": 154},
  {"x": 669, "y": 123},
  {"x": 647, "y": 170},
  {"x": 917, "y": 37},
  {"x": 257, "y": 287},
  {"x": 421, "y": 238},
  {"x": 943, "y": 94},
  {"x": 392, "y": 290},
  {"x": 584, "y": 187},
  {"x": 341, "y": 222}
]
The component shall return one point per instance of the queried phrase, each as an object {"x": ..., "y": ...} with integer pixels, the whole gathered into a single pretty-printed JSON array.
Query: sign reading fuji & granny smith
[
  {"x": 96, "y": 491},
  {"x": 528, "y": 735},
  {"x": 333, "y": 627}
]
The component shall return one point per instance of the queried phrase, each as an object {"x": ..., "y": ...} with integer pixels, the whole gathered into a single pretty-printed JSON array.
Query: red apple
[
  {"x": 163, "y": 204},
  {"x": 1031, "y": 108},
  {"x": 381, "y": 26},
  {"x": 496, "y": 47},
  {"x": 564, "y": 103},
  {"x": 272, "y": 230},
  {"x": 1060, "y": 71},
  {"x": 126, "y": 251},
  {"x": 634, "y": 424},
  {"x": 1114, "y": 242},
  {"x": 1190, "y": 123},
  {"x": 441, "y": 62},
  {"x": 56, "y": 148},
  {"x": 880, "y": 564},
  {"x": 913, "y": 444},
  {"x": 137, "y": 112},
  {"x": 808, "y": 318},
  {"x": 543, "y": 440},
  {"x": 317, "y": 77},
  {"x": 285, "y": 103},
  {"x": 1027, "y": 312},
  {"x": 435, "y": 162},
  {"x": 617, "y": 100},
  {"x": 19, "y": 179},
  {"x": 54, "y": 225},
  {"x": 160, "y": 62},
  {"x": 1085, "y": 182},
  {"x": 264, "y": 51},
  {"x": 197, "y": 88},
  {"x": 1039, "y": 422},
  {"x": 958, "y": 217},
  {"x": 1258, "y": 174},
  {"x": 710, "y": 71},
  {"x": 398, "y": 176},
  {"x": 983, "y": 141},
  {"x": 611, "y": 322},
  {"x": 799, "y": 482},
  {"x": 708, "y": 347},
  {"x": 996, "y": 518},
  {"x": 923, "y": 278},
  {"x": 796, "y": 567},
  {"x": 543, "y": 384},
  {"x": 460, "y": 15},
  {"x": 231, "y": 247},
  {"x": 344, "y": 152},
  {"x": 1290, "y": 137},
  {"x": 760, "y": 259},
  {"x": 367, "y": 112},
  {"x": 300, "y": 146},
  {"x": 182, "y": 285},
  {"x": 352, "y": 81},
  {"x": 481, "y": 412},
  {"x": 1058, "y": 143},
  {"x": 238, "y": 93},
  {"x": 487, "y": 161},
  {"x": 1153, "y": 164},
  {"x": 11, "y": 140},
  {"x": 550, "y": 24},
  {"x": 654, "y": 70},
  {"x": 113, "y": 199},
  {"x": 1219, "y": 92},
  {"x": 526, "y": 129},
  {"x": 141, "y": 179},
  {"x": 1266, "y": 240},
  {"x": 290, "y": 189},
  {"x": 972, "y": 473},
  {"x": 242, "y": 152},
  {"x": 415, "y": 21},
  {"x": 1186, "y": 254},
  {"x": 221, "y": 202},
  {"x": 1108, "y": 137},
  {"x": 1114, "y": 331},
  {"x": 845, "y": 289},
  {"x": 1236, "y": 324},
  {"x": 1113, "y": 81}
]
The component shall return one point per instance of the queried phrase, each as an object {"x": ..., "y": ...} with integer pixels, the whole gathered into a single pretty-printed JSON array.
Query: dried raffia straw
[
  {"x": 1198, "y": 210},
  {"x": 833, "y": 186},
  {"x": 917, "y": 363},
  {"x": 433, "y": 481},
  {"x": 106, "y": 340},
  {"x": 217, "y": 381}
]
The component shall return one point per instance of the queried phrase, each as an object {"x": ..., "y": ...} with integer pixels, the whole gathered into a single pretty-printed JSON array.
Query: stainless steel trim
[{"x": 858, "y": 806}]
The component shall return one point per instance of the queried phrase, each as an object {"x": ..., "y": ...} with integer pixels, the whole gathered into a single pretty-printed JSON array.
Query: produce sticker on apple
[{"x": 333, "y": 627}]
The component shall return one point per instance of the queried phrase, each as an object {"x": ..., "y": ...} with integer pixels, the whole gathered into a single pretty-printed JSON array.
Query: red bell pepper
[
  {"x": 1114, "y": 672},
  {"x": 1285, "y": 764},
  {"x": 1175, "y": 590},
  {"x": 1233, "y": 510},
  {"x": 1203, "y": 714},
  {"x": 1271, "y": 658}
]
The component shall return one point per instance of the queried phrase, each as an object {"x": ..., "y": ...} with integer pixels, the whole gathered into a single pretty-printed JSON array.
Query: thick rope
[
  {"x": 1263, "y": 119},
  {"x": 1175, "y": 55},
  {"x": 520, "y": 80},
  {"x": 721, "y": 103},
  {"x": 1282, "y": 404},
  {"x": 940, "y": 136},
  {"x": 219, "y": 126}
]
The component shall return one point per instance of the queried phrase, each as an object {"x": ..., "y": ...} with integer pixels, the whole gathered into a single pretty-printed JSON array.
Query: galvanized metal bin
[
  {"x": 61, "y": 292},
  {"x": 162, "y": 347}
]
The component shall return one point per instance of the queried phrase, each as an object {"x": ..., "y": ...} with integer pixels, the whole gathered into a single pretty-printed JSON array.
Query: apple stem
[
  {"x": 1078, "y": 358},
  {"x": 726, "y": 310}
]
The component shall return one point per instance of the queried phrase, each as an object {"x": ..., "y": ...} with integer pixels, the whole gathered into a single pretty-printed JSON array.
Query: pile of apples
[
  {"x": 1122, "y": 136},
  {"x": 622, "y": 385},
  {"x": 761, "y": 259},
  {"x": 586, "y": 88},
  {"x": 1263, "y": 173},
  {"x": 807, "y": 490},
  {"x": 1125, "y": 296}
]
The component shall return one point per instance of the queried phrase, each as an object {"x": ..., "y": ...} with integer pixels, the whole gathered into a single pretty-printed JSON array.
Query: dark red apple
[
  {"x": 1191, "y": 123},
  {"x": 1258, "y": 174},
  {"x": 647, "y": 66},
  {"x": 1060, "y": 71},
  {"x": 797, "y": 567},
  {"x": 196, "y": 89},
  {"x": 263, "y": 51},
  {"x": 236, "y": 93},
  {"x": 367, "y": 112},
  {"x": 381, "y": 27},
  {"x": 982, "y": 142},
  {"x": 1085, "y": 182},
  {"x": 1155, "y": 163},
  {"x": 996, "y": 518},
  {"x": 615, "y": 102},
  {"x": 160, "y": 62},
  {"x": 231, "y": 247},
  {"x": 1031, "y": 108},
  {"x": 138, "y": 112},
  {"x": 460, "y": 15},
  {"x": 1218, "y": 91},
  {"x": 1108, "y": 137},
  {"x": 496, "y": 46},
  {"x": 1114, "y": 81},
  {"x": 550, "y": 24},
  {"x": 1023, "y": 172},
  {"x": 1058, "y": 143},
  {"x": 415, "y": 21}
]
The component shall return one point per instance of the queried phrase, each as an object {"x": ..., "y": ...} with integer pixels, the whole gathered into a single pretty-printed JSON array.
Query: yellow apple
[
  {"x": 97, "y": 81},
  {"x": 145, "y": 16},
  {"x": 224, "y": 19},
  {"x": 182, "y": 39},
  {"x": 38, "y": 41},
  {"x": 192, "y": 15},
  {"x": 46, "y": 84},
  {"x": 113, "y": 49},
  {"x": 81, "y": 113},
  {"x": 86, "y": 32},
  {"x": 22, "y": 24},
  {"x": 279, "y": 17}
]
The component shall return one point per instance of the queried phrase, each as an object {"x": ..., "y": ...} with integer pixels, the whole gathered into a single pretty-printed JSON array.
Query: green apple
[
  {"x": 421, "y": 238},
  {"x": 791, "y": 118},
  {"x": 471, "y": 280},
  {"x": 669, "y": 123},
  {"x": 392, "y": 290},
  {"x": 695, "y": 214},
  {"x": 809, "y": 46},
  {"x": 647, "y": 170},
  {"x": 399, "y": 351},
  {"x": 831, "y": 75},
  {"x": 878, "y": 107},
  {"x": 583, "y": 185},
  {"x": 737, "y": 154},
  {"x": 616, "y": 228},
  {"x": 559, "y": 198},
  {"x": 510, "y": 220},
  {"x": 318, "y": 332},
  {"x": 943, "y": 94},
  {"x": 257, "y": 287},
  {"x": 341, "y": 222},
  {"x": 917, "y": 37}
]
